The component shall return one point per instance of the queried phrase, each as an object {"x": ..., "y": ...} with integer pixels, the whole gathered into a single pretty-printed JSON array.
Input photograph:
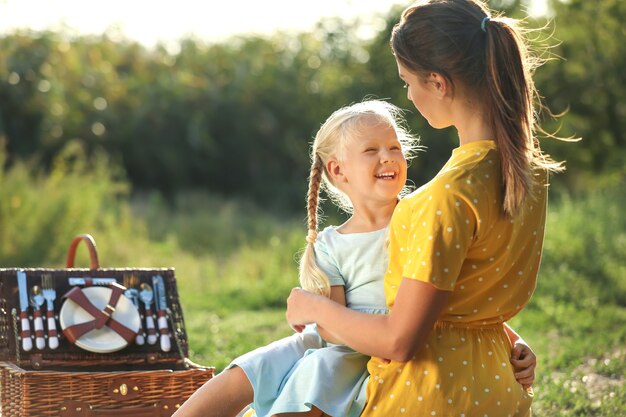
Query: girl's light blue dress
[{"x": 300, "y": 371}]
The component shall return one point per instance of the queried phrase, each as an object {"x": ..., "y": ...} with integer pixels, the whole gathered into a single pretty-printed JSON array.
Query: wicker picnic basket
[{"x": 68, "y": 379}]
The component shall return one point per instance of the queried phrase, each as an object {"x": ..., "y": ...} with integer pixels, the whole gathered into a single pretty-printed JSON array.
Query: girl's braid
[
  {"x": 312, "y": 278},
  {"x": 312, "y": 197}
]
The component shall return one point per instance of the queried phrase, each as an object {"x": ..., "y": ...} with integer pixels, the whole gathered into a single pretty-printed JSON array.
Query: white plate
[{"x": 103, "y": 340}]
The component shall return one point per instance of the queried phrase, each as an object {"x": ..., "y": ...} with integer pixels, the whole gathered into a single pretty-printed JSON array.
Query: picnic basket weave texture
[
  {"x": 138, "y": 380},
  {"x": 29, "y": 393}
]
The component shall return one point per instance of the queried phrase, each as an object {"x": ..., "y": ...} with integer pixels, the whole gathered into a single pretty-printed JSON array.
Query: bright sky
[{"x": 149, "y": 21}]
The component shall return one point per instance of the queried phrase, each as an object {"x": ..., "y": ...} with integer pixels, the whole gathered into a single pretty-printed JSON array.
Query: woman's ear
[
  {"x": 335, "y": 170},
  {"x": 440, "y": 84}
]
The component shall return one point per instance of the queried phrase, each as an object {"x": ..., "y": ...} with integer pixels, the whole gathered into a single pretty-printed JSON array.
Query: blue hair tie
[{"x": 483, "y": 23}]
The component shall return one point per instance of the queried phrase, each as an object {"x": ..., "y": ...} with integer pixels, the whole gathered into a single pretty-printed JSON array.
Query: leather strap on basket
[
  {"x": 91, "y": 245},
  {"x": 101, "y": 317}
]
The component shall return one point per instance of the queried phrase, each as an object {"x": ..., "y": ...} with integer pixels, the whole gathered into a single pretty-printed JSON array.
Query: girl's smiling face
[{"x": 372, "y": 164}]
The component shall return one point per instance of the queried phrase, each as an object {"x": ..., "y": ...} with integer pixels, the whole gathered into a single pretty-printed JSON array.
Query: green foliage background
[
  {"x": 197, "y": 158},
  {"x": 235, "y": 118}
]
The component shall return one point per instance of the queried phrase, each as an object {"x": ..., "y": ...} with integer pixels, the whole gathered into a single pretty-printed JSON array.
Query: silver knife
[
  {"x": 161, "y": 302},
  {"x": 91, "y": 281},
  {"x": 27, "y": 343}
]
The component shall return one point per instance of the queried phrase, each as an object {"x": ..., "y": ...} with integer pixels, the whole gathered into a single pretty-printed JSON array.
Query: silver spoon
[
  {"x": 37, "y": 300},
  {"x": 147, "y": 295}
]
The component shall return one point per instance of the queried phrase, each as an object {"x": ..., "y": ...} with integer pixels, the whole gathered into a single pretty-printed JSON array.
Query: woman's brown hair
[{"x": 488, "y": 56}]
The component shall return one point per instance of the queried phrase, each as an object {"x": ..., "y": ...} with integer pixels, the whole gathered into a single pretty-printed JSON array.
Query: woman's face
[{"x": 427, "y": 96}]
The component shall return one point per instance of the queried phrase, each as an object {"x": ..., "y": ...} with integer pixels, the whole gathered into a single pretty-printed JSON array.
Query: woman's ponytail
[{"x": 509, "y": 107}]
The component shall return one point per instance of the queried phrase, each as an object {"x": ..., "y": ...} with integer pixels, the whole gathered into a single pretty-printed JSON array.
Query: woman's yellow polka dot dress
[{"x": 451, "y": 232}]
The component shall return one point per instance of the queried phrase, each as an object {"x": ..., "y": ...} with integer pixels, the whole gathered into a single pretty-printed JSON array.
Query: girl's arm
[
  {"x": 394, "y": 336},
  {"x": 523, "y": 358}
]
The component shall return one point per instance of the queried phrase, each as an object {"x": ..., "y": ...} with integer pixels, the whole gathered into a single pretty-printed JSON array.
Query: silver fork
[{"x": 49, "y": 293}]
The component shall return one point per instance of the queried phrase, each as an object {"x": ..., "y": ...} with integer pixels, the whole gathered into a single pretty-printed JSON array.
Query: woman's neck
[
  {"x": 369, "y": 217},
  {"x": 470, "y": 123}
]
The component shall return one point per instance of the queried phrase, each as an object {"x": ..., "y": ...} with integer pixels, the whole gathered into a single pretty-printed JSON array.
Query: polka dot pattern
[{"x": 457, "y": 240}]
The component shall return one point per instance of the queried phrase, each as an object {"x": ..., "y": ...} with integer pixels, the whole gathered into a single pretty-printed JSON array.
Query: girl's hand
[
  {"x": 524, "y": 362},
  {"x": 298, "y": 308}
]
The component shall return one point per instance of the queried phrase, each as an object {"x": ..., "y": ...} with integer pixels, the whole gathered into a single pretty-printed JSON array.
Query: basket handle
[{"x": 91, "y": 245}]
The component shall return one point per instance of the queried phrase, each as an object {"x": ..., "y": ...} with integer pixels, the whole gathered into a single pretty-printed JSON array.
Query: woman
[{"x": 464, "y": 248}]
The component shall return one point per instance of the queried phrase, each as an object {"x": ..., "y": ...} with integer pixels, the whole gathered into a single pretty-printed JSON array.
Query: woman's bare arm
[
  {"x": 338, "y": 295},
  {"x": 394, "y": 336}
]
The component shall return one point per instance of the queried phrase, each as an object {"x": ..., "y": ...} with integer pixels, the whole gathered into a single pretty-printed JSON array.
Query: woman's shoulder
[
  {"x": 472, "y": 175},
  {"x": 447, "y": 184},
  {"x": 476, "y": 190}
]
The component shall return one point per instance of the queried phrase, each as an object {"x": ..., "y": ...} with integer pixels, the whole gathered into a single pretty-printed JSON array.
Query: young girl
[
  {"x": 359, "y": 157},
  {"x": 465, "y": 247}
]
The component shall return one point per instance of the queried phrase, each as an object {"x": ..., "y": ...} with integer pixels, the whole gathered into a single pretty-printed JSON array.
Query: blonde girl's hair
[
  {"x": 462, "y": 41},
  {"x": 343, "y": 126}
]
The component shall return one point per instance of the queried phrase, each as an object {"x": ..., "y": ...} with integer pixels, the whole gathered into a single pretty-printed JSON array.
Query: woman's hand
[
  {"x": 524, "y": 362},
  {"x": 299, "y": 310}
]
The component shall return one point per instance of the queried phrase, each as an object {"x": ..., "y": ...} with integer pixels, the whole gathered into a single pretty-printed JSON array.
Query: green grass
[
  {"x": 575, "y": 321},
  {"x": 216, "y": 340},
  {"x": 236, "y": 263}
]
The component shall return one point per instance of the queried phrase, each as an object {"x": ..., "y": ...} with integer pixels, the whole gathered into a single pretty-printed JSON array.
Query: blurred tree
[
  {"x": 588, "y": 81},
  {"x": 23, "y": 59},
  {"x": 237, "y": 117}
]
